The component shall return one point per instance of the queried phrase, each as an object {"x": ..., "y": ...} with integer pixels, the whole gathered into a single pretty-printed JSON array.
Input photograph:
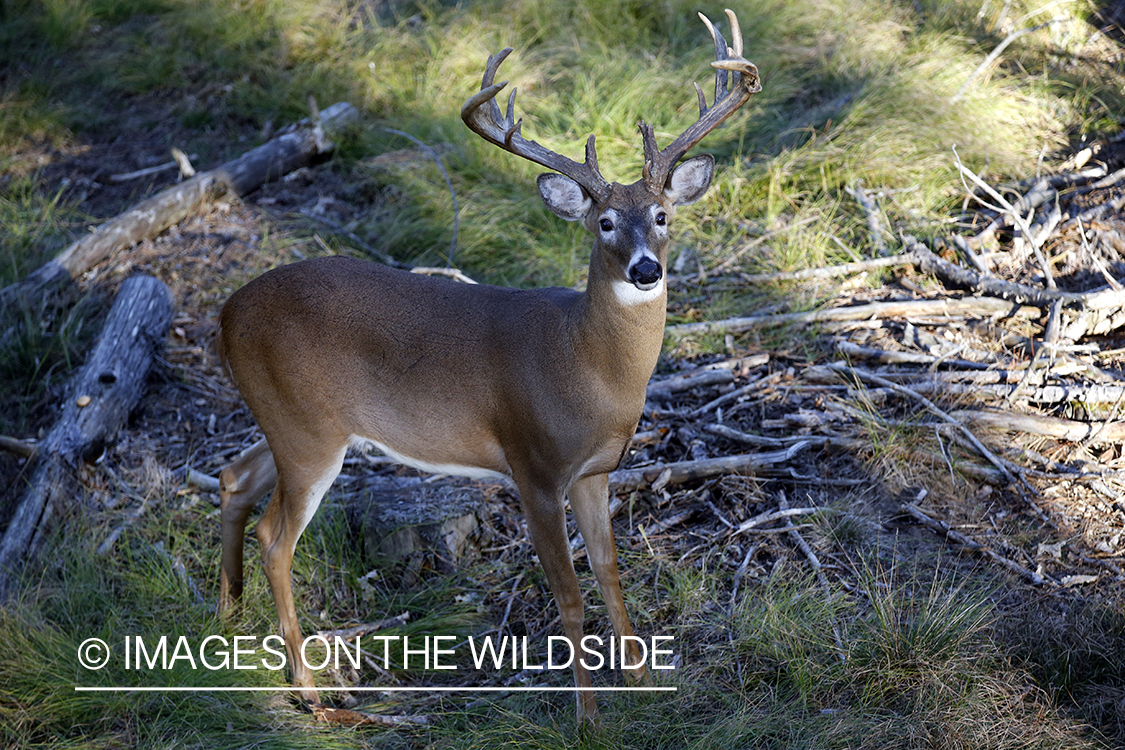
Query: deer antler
[
  {"x": 504, "y": 131},
  {"x": 658, "y": 165}
]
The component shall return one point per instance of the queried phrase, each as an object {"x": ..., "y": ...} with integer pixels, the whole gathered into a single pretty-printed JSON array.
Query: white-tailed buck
[{"x": 545, "y": 386}]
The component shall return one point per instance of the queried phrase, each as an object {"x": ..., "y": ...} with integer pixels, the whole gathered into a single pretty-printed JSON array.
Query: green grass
[{"x": 851, "y": 93}]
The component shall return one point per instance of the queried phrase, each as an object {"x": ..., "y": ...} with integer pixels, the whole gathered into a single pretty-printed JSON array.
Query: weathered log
[
  {"x": 292, "y": 148},
  {"x": 96, "y": 403}
]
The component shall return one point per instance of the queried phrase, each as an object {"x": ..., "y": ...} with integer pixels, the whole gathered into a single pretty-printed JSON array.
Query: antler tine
[
  {"x": 743, "y": 83},
  {"x": 721, "y": 52},
  {"x": 503, "y": 130}
]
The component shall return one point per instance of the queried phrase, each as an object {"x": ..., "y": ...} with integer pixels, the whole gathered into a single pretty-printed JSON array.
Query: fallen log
[
  {"x": 293, "y": 147},
  {"x": 96, "y": 403}
]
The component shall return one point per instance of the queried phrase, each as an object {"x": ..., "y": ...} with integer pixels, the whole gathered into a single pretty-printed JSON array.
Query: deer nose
[{"x": 645, "y": 273}]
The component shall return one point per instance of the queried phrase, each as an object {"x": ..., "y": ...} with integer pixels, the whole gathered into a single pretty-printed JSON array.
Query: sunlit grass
[{"x": 852, "y": 93}]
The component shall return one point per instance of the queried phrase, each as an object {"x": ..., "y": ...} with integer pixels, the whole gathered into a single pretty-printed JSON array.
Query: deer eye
[
  {"x": 661, "y": 219},
  {"x": 606, "y": 225}
]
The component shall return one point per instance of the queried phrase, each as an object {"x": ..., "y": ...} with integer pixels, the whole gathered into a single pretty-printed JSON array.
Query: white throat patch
[{"x": 628, "y": 294}]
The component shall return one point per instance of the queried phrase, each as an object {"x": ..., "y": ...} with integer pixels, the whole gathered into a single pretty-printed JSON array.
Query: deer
[{"x": 542, "y": 386}]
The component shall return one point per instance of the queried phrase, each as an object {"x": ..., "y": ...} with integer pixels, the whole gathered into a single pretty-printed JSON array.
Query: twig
[
  {"x": 21, "y": 448},
  {"x": 202, "y": 481},
  {"x": 143, "y": 172},
  {"x": 1053, "y": 427},
  {"x": 1017, "y": 217},
  {"x": 451, "y": 273},
  {"x": 663, "y": 390},
  {"x": 928, "y": 262},
  {"x": 374, "y": 252},
  {"x": 357, "y": 631},
  {"x": 771, "y": 516},
  {"x": 943, "y": 528},
  {"x": 952, "y": 308},
  {"x": 508, "y": 609},
  {"x": 871, "y": 210},
  {"x": 814, "y": 561},
  {"x": 994, "y": 54},
  {"x": 829, "y": 272},
  {"x": 884, "y": 356},
  {"x": 624, "y": 480},
  {"x": 738, "y": 574}
]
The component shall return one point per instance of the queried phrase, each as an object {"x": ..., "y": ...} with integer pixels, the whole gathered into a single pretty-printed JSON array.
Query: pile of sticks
[{"x": 1007, "y": 377}]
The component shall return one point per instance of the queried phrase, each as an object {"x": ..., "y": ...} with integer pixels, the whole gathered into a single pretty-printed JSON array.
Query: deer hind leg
[
  {"x": 589, "y": 502},
  {"x": 241, "y": 485},
  {"x": 300, "y": 488},
  {"x": 546, "y": 523}
]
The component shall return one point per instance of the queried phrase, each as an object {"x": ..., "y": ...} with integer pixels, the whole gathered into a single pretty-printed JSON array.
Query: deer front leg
[
  {"x": 546, "y": 523},
  {"x": 589, "y": 502},
  {"x": 241, "y": 485}
]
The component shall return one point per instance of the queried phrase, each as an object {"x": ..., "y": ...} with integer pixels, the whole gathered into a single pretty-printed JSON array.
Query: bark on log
[
  {"x": 96, "y": 404},
  {"x": 293, "y": 147}
]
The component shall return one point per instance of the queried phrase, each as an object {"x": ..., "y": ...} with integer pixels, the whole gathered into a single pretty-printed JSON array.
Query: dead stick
[
  {"x": 829, "y": 272},
  {"x": 1017, "y": 217},
  {"x": 770, "y": 517},
  {"x": 357, "y": 631},
  {"x": 995, "y": 53},
  {"x": 1054, "y": 427},
  {"x": 96, "y": 403},
  {"x": 871, "y": 210},
  {"x": 928, "y": 262},
  {"x": 22, "y": 448},
  {"x": 941, "y": 527},
  {"x": 952, "y": 308},
  {"x": 624, "y": 480},
  {"x": 892, "y": 357}
]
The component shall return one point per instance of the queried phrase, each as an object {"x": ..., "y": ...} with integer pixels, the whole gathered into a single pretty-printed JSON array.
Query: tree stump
[{"x": 417, "y": 525}]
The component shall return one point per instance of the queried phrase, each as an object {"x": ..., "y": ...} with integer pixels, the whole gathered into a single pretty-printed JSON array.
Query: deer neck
[{"x": 619, "y": 332}]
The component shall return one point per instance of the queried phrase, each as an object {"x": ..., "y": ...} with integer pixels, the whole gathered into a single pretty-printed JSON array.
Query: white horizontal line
[{"x": 487, "y": 689}]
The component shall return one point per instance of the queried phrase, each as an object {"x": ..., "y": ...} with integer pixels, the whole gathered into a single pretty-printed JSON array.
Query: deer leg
[
  {"x": 241, "y": 485},
  {"x": 546, "y": 523},
  {"x": 589, "y": 502},
  {"x": 295, "y": 500}
]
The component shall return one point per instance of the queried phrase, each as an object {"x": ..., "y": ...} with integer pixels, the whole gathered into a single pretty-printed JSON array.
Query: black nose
[{"x": 645, "y": 273}]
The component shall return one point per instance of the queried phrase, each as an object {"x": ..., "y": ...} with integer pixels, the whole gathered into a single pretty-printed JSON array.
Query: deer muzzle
[{"x": 645, "y": 273}]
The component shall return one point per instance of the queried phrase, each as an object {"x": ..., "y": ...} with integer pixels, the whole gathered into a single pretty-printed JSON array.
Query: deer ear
[
  {"x": 690, "y": 180},
  {"x": 564, "y": 196}
]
